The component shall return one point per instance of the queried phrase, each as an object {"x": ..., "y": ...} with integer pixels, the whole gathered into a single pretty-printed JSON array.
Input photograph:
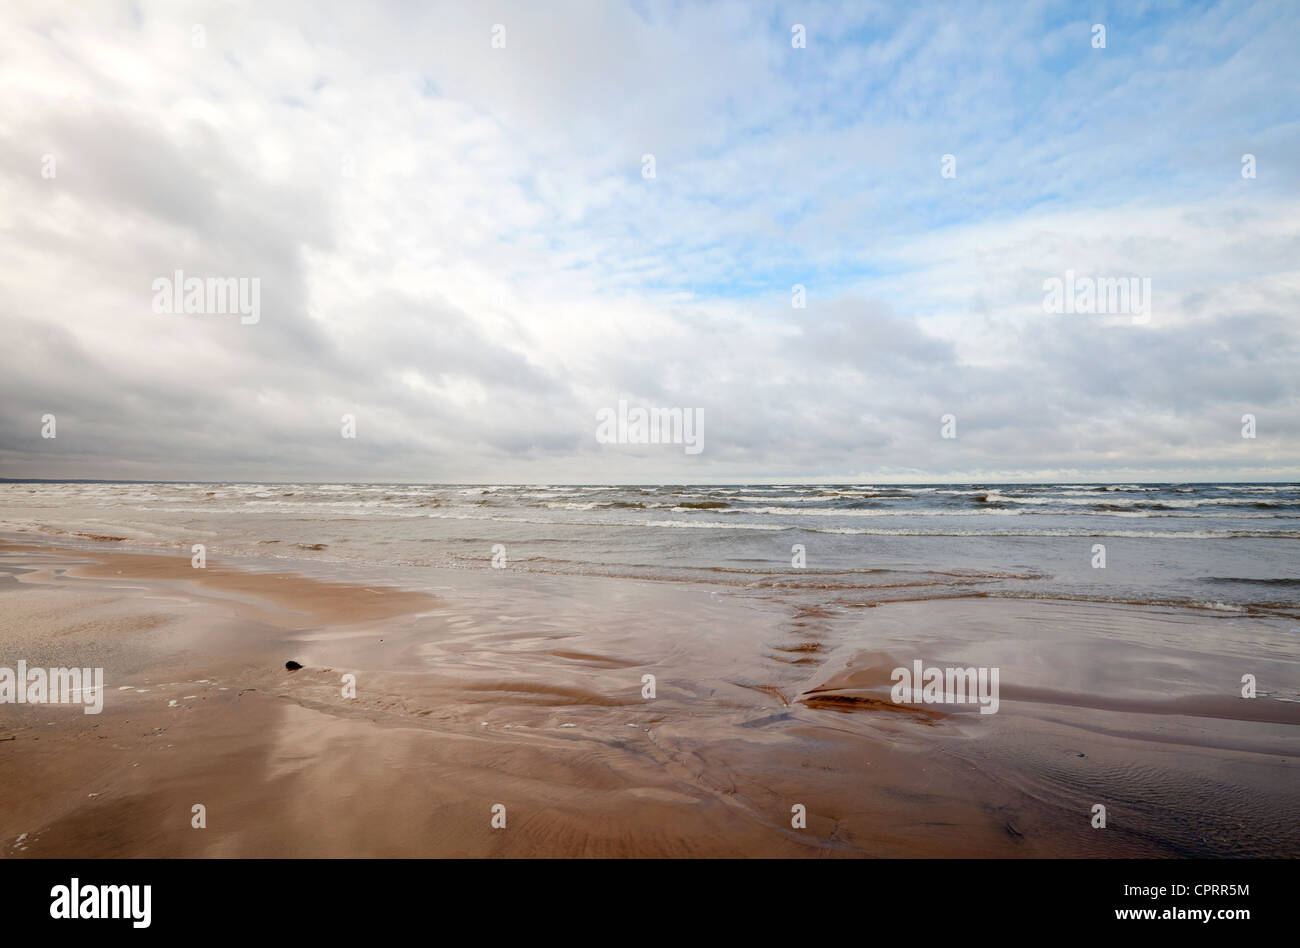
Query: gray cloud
[{"x": 455, "y": 244}]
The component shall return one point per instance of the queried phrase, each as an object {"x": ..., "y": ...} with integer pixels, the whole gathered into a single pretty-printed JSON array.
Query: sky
[{"x": 458, "y": 244}]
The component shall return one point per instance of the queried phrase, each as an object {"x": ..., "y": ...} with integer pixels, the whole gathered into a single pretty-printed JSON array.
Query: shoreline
[{"x": 525, "y": 691}]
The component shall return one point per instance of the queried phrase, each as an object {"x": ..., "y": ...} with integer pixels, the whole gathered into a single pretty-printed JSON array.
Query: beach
[{"x": 433, "y": 694}]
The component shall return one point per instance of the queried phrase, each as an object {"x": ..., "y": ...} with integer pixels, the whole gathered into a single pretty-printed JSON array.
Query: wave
[
  {"x": 1067, "y": 532},
  {"x": 1270, "y": 581}
]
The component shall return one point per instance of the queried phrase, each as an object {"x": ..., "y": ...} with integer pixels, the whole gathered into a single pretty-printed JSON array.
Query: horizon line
[{"x": 819, "y": 483}]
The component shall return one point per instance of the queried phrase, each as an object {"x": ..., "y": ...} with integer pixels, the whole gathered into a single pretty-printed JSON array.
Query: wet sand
[{"x": 494, "y": 687}]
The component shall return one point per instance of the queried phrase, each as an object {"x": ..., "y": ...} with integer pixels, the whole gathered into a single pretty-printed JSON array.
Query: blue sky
[{"x": 456, "y": 243}]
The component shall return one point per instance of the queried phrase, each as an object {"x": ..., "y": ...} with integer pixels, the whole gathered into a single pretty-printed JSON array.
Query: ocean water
[{"x": 1227, "y": 548}]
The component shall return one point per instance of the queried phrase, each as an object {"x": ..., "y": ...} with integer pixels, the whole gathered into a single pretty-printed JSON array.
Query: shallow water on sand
[{"x": 530, "y": 689}]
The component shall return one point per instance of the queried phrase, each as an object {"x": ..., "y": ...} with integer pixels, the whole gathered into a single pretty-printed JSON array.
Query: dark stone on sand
[{"x": 292, "y": 666}]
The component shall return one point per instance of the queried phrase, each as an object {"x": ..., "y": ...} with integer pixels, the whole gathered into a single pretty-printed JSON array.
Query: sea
[{"x": 1227, "y": 548}]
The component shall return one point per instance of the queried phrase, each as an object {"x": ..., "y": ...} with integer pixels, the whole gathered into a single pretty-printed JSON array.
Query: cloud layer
[{"x": 456, "y": 243}]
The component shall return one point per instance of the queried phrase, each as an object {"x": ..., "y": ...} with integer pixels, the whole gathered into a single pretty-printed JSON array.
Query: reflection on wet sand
[{"x": 527, "y": 691}]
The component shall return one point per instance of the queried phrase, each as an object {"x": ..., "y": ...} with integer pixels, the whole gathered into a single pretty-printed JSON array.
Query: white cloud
[{"x": 456, "y": 242}]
